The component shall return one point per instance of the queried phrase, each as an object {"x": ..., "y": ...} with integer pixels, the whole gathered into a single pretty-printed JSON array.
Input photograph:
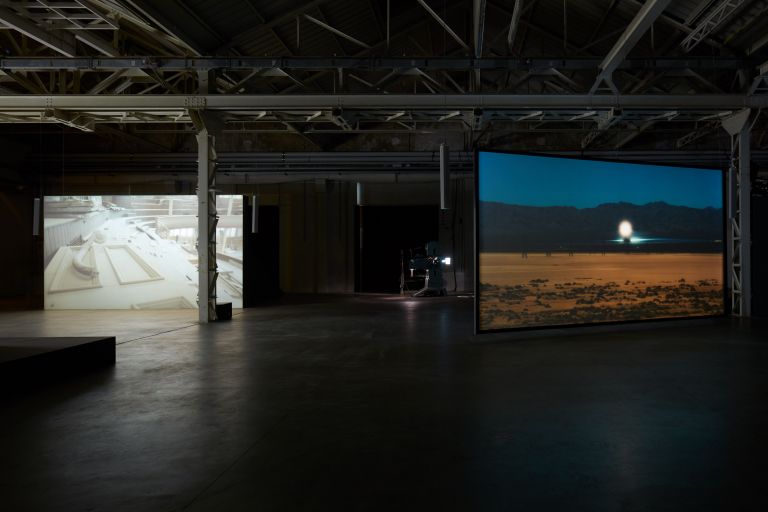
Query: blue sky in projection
[{"x": 551, "y": 181}]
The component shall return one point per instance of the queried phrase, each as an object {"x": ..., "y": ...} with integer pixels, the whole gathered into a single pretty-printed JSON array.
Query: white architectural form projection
[{"x": 136, "y": 252}]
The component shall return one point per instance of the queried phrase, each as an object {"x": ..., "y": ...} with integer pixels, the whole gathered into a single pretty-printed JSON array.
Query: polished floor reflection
[{"x": 379, "y": 403}]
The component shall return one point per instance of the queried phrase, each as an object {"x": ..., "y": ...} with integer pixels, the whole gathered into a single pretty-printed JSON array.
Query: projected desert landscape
[
  {"x": 584, "y": 288},
  {"x": 566, "y": 242}
]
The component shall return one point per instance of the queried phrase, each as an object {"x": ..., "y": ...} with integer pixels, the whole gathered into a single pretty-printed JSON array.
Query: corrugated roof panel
[
  {"x": 275, "y": 9},
  {"x": 225, "y": 17}
]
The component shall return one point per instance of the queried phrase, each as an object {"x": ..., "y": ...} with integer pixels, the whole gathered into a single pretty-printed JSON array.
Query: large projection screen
[
  {"x": 569, "y": 241},
  {"x": 136, "y": 252}
]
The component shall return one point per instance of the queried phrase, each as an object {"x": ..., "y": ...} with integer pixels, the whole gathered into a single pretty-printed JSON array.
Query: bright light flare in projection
[{"x": 625, "y": 230}]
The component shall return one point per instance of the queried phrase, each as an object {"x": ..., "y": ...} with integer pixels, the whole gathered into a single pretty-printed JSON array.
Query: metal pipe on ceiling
[{"x": 250, "y": 103}]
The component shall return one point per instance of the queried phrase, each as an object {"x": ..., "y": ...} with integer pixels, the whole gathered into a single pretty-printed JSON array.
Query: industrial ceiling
[{"x": 333, "y": 75}]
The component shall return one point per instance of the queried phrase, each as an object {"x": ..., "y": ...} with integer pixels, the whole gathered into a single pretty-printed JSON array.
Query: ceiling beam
[
  {"x": 642, "y": 21},
  {"x": 336, "y": 31},
  {"x": 158, "y": 20},
  {"x": 72, "y": 119},
  {"x": 129, "y": 19},
  {"x": 437, "y": 102},
  {"x": 24, "y": 81},
  {"x": 63, "y": 43},
  {"x": 756, "y": 45},
  {"x": 599, "y": 27},
  {"x": 107, "y": 82},
  {"x": 443, "y": 24},
  {"x": 445, "y": 63},
  {"x": 96, "y": 43},
  {"x": 721, "y": 12},
  {"x": 478, "y": 15},
  {"x": 514, "y": 22},
  {"x": 672, "y": 22},
  {"x": 290, "y": 15}
]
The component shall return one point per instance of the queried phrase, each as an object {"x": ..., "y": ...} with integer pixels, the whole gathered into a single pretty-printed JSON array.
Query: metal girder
[
  {"x": 756, "y": 45},
  {"x": 710, "y": 22},
  {"x": 107, "y": 82},
  {"x": 478, "y": 12},
  {"x": 306, "y": 122},
  {"x": 61, "y": 40},
  {"x": 336, "y": 31},
  {"x": 598, "y": 29},
  {"x": 642, "y": 21},
  {"x": 72, "y": 119},
  {"x": 29, "y": 84},
  {"x": 60, "y": 15},
  {"x": 517, "y": 11},
  {"x": 760, "y": 83},
  {"x": 146, "y": 10},
  {"x": 118, "y": 11},
  {"x": 443, "y": 24},
  {"x": 605, "y": 120},
  {"x": 271, "y": 24},
  {"x": 444, "y": 63},
  {"x": 739, "y": 194},
  {"x": 702, "y": 131},
  {"x": 63, "y": 43},
  {"x": 647, "y": 125},
  {"x": 250, "y": 103},
  {"x": 96, "y": 43},
  {"x": 206, "y": 226},
  {"x": 679, "y": 25},
  {"x": 339, "y": 162}
]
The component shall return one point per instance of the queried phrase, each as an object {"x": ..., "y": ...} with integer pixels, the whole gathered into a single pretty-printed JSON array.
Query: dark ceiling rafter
[
  {"x": 237, "y": 39},
  {"x": 378, "y": 46},
  {"x": 385, "y": 65},
  {"x": 363, "y": 62},
  {"x": 156, "y": 18},
  {"x": 682, "y": 27}
]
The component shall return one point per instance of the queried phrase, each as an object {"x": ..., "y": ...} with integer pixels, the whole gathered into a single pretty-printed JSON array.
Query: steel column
[
  {"x": 206, "y": 226},
  {"x": 740, "y": 240}
]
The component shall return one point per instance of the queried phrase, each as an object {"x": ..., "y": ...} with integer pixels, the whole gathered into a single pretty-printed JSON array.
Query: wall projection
[
  {"x": 135, "y": 252},
  {"x": 566, "y": 241}
]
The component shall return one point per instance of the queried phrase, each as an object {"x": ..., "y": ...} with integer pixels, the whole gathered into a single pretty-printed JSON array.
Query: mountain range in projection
[{"x": 658, "y": 227}]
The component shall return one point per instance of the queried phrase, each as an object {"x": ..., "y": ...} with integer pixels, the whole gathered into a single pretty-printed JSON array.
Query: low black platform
[{"x": 26, "y": 361}]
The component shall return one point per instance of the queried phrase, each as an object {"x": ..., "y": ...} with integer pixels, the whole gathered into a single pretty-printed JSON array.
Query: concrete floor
[{"x": 376, "y": 403}]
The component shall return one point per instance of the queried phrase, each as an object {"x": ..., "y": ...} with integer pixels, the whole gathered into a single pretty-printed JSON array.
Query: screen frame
[{"x": 725, "y": 242}]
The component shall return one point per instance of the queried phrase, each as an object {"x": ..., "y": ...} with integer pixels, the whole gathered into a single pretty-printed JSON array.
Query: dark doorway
[
  {"x": 388, "y": 230},
  {"x": 261, "y": 256},
  {"x": 22, "y": 284}
]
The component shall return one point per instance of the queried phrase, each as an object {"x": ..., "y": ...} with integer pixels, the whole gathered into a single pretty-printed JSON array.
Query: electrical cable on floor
[
  {"x": 166, "y": 332},
  {"x": 156, "y": 334}
]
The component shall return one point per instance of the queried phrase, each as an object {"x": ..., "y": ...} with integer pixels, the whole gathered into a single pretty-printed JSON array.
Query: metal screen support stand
[
  {"x": 206, "y": 225},
  {"x": 739, "y": 230}
]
